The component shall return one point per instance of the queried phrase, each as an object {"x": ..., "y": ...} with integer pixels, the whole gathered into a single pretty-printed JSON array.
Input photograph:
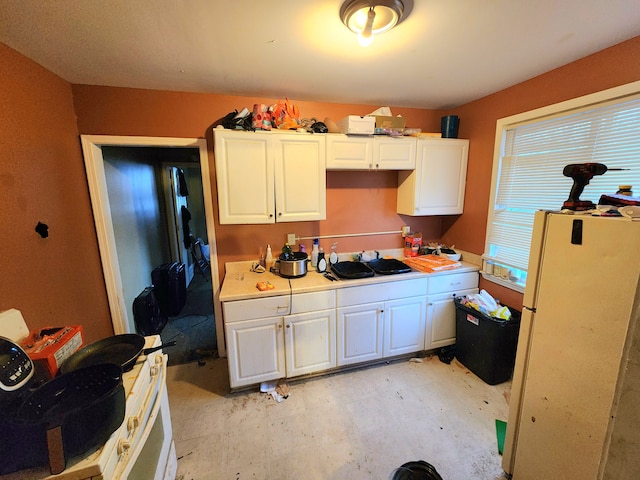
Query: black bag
[
  {"x": 146, "y": 313},
  {"x": 170, "y": 284}
]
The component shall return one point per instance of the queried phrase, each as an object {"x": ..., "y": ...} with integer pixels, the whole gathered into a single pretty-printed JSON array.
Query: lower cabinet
[
  {"x": 301, "y": 341},
  {"x": 310, "y": 342},
  {"x": 360, "y": 333},
  {"x": 404, "y": 326},
  {"x": 441, "y": 310},
  {"x": 292, "y": 335},
  {"x": 374, "y": 330},
  {"x": 255, "y": 350}
]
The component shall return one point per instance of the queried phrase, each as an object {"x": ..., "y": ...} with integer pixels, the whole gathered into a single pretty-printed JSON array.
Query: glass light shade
[{"x": 388, "y": 14}]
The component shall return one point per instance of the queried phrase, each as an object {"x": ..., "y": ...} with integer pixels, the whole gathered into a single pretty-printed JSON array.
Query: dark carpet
[{"x": 194, "y": 329}]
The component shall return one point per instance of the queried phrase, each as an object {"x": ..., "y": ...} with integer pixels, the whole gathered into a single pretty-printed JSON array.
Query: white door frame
[{"x": 94, "y": 165}]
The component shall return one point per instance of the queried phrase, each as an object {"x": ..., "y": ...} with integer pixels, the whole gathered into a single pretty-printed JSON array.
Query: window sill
[{"x": 503, "y": 282}]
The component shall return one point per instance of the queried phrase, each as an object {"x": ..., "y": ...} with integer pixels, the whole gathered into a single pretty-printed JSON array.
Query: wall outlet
[
  {"x": 291, "y": 238},
  {"x": 405, "y": 230}
]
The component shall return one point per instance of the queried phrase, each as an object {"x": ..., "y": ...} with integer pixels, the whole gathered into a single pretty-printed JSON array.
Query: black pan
[{"x": 122, "y": 350}]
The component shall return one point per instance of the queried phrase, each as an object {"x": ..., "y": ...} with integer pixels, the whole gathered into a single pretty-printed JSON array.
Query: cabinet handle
[
  {"x": 270, "y": 215},
  {"x": 288, "y": 325},
  {"x": 279, "y": 214},
  {"x": 454, "y": 283},
  {"x": 279, "y": 326},
  {"x": 377, "y": 165}
]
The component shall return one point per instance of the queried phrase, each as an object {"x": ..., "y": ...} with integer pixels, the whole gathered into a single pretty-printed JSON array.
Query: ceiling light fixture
[{"x": 368, "y": 18}]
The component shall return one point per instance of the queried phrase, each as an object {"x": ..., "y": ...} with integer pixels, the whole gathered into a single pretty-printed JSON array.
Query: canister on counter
[{"x": 412, "y": 244}]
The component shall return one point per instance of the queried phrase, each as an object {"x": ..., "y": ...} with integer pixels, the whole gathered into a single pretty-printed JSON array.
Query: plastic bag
[{"x": 285, "y": 115}]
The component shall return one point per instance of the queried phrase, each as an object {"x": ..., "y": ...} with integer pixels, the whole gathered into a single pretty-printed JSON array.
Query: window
[{"x": 531, "y": 152}]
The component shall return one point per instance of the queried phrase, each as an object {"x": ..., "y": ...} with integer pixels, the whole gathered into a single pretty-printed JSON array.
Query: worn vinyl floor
[{"x": 353, "y": 425}]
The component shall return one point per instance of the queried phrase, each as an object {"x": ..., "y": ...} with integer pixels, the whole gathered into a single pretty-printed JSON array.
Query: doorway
[{"x": 135, "y": 217}]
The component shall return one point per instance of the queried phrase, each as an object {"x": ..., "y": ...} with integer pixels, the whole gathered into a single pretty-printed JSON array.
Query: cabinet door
[
  {"x": 300, "y": 179},
  {"x": 391, "y": 153},
  {"x": 244, "y": 171},
  {"x": 255, "y": 350},
  {"x": 404, "y": 329},
  {"x": 346, "y": 152},
  {"x": 441, "y": 319},
  {"x": 310, "y": 342},
  {"x": 436, "y": 186},
  {"x": 360, "y": 333}
]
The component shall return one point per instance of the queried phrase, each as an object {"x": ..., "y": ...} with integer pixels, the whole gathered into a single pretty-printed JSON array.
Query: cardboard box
[
  {"x": 355, "y": 125},
  {"x": 49, "y": 347},
  {"x": 389, "y": 122}
]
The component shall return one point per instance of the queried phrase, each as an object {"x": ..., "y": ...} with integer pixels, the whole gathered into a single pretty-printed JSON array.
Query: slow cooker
[{"x": 292, "y": 267}]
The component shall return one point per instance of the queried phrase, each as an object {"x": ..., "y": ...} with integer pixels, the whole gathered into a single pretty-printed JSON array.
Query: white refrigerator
[{"x": 574, "y": 411}]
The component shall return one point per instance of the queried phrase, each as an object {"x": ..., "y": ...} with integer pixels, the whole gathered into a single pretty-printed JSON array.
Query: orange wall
[
  {"x": 58, "y": 280},
  {"x": 55, "y": 281},
  {"x": 356, "y": 201},
  {"x": 606, "y": 69}
]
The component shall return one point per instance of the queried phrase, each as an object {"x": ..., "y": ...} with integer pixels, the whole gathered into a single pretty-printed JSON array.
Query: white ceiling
[{"x": 446, "y": 53}]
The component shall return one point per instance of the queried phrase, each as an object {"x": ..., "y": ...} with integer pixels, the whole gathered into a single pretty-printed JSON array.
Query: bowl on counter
[{"x": 450, "y": 254}]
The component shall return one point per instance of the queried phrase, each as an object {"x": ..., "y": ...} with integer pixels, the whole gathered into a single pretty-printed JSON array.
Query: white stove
[{"x": 142, "y": 448}]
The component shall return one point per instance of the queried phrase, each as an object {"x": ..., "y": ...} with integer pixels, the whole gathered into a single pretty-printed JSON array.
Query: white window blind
[{"x": 530, "y": 171}]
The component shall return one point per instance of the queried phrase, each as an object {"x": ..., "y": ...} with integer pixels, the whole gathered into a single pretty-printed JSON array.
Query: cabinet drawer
[
  {"x": 278, "y": 306},
  {"x": 452, "y": 282},
  {"x": 256, "y": 308},
  {"x": 314, "y": 301},
  {"x": 381, "y": 292}
]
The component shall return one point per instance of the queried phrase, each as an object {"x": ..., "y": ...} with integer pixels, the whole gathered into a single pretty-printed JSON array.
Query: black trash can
[{"x": 486, "y": 345}]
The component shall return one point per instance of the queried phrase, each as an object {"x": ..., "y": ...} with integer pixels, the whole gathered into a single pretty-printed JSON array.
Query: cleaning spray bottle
[{"x": 333, "y": 257}]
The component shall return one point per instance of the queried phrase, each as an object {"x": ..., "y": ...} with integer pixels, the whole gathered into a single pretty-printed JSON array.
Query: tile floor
[{"x": 353, "y": 425}]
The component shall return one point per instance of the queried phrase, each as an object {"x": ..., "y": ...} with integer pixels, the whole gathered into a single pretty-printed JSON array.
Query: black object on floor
[
  {"x": 419, "y": 470},
  {"x": 447, "y": 354},
  {"x": 146, "y": 313},
  {"x": 169, "y": 281}
]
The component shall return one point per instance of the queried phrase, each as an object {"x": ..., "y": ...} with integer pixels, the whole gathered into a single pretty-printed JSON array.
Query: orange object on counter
[
  {"x": 49, "y": 347},
  {"x": 432, "y": 263},
  {"x": 262, "y": 286}
]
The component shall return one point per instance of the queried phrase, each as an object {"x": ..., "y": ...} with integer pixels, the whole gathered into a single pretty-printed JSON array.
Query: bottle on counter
[
  {"x": 268, "y": 260},
  {"x": 314, "y": 253},
  {"x": 322, "y": 262},
  {"x": 333, "y": 257}
]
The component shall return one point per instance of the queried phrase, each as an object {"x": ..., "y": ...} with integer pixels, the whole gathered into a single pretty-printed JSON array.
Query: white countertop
[{"x": 240, "y": 282}]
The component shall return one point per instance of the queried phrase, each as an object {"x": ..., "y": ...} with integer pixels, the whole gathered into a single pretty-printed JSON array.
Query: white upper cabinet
[
  {"x": 436, "y": 186},
  {"x": 366, "y": 152},
  {"x": 394, "y": 153},
  {"x": 349, "y": 152},
  {"x": 268, "y": 177}
]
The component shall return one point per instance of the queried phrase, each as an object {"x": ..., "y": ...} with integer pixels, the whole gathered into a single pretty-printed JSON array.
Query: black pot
[{"x": 65, "y": 417}]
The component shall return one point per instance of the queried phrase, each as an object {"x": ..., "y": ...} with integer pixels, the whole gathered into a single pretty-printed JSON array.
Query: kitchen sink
[
  {"x": 388, "y": 266},
  {"x": 381, "y": 266},
  {"x": 352, "y": 270}
]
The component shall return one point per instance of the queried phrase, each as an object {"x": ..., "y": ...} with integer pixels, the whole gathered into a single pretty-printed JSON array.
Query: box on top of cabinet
[
  {"x": 356, "y": 125},
  {"x": 383, "y": 121}
]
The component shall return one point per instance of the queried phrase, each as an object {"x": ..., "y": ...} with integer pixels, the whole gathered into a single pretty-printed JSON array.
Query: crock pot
[{"x": 293, "y": 267}]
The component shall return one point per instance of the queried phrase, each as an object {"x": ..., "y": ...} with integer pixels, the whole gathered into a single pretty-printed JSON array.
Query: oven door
[{"x": 152, "y": 454}]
